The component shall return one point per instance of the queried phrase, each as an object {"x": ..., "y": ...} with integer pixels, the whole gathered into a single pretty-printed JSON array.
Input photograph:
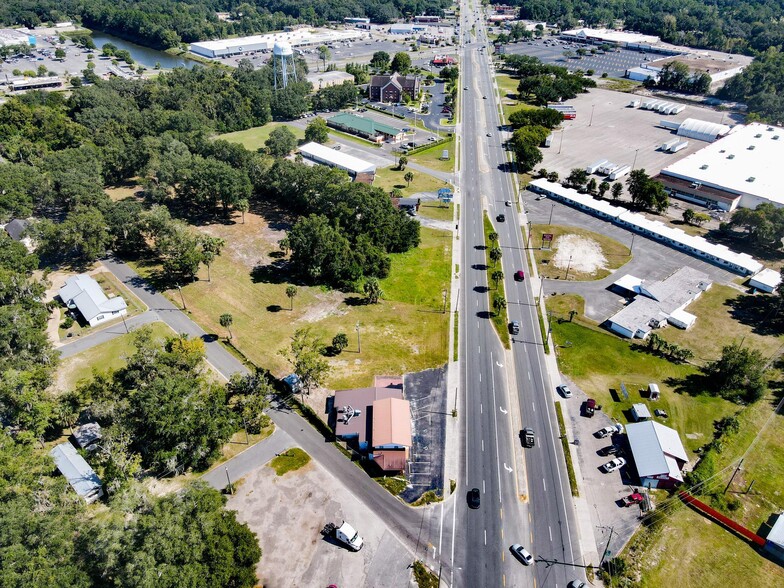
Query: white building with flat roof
[
  {"x": 610, "y": 36},
  {"x": 296, "y": 38},
  {"x": 359, "y": 169},
  {"x": 740, "y": 169}
]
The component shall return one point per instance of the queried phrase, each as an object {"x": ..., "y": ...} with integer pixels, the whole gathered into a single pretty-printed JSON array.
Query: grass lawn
[
  {"x": 112, "y": 287},
  {"x": 288, "y": 461},
  {"x": 713, "y": 310},
  {"x": 253, "y": 139},
  {"x": 436, "y": 210},
  {"x": 500, "y": 319},
  {"x": 507, "y": 85},
  {"x": 617, "y": 85},
  {"x": 406, "y": 331},
  {"x": 388, "y": 178},
  {"x": 108, "y": 356},
  {"x": 598, "y": 362},
  {"x": 431, "y": 157},
  {"x": 616, "y": 253}
]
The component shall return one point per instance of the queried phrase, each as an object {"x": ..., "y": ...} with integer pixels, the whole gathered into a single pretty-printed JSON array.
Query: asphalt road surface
[{"x": 538, "y": 512}]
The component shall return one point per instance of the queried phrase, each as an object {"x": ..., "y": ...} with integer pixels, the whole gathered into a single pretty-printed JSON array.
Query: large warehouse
[
  {"x": 739, "y": 169},
  {"x": 255, "y": 43},
  {"x": 359, "y": 169}
]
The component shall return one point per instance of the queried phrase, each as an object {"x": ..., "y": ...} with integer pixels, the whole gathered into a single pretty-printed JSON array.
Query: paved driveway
[{"x": 651, "y": 260}]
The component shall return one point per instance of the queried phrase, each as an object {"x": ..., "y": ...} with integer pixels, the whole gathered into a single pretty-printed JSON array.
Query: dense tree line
[
  {"x": 168, "y": 23},
  {"x": 738, "y": 26},
  {"x": 676, "y": 76},
  {"x": 764, "y": 225},
  {"x": 761, "y": 87}
]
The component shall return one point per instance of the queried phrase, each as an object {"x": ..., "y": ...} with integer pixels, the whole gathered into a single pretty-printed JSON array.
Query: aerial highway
[{"x": 526, "y": 499}]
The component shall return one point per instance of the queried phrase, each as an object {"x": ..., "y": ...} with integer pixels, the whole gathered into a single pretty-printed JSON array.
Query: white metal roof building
[
  {"x": 296, "y": 38},
  {"x": 84, "y": 294},
  {"x": 658, "y": 454},
  {"x": 740, "y": 169},
  {"x": 715, "y": 253},
  {"x": 702, "y": 130},
  {"x": 767, "y": 280},
  {"x": 610, "y": 36},
  {"x": 77, "y": 471},
  {"x": 326, "y": 156}
]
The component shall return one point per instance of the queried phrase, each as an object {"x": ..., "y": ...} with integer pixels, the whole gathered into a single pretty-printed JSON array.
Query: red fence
[{"x": 720, "y": 518}]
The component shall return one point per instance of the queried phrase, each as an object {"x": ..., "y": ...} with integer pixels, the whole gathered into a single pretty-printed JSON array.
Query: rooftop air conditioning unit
[
  {"x": 730, "y": 156},
  {"x": 751, "y": 147},
  {"x": 704, "y": 166},
  {"x": 751, "y": 179},
  {"x": 758, "y": 135}
]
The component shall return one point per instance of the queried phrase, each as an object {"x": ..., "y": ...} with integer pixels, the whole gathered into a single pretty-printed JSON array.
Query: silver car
[{"x": 520, "y": 553}]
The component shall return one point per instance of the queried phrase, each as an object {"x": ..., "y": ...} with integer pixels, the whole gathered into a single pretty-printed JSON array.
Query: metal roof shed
[
  {"x": 658, "y": 454},
  {"x": 640, "y": 412},
  {"x": 77, "y": 471}
]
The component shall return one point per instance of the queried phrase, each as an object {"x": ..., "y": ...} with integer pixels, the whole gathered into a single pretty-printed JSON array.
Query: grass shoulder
[
  {"x": 389, "y": 178},
  {"x": 289, "y": 461},
  {"x": 431, "y": 158}
]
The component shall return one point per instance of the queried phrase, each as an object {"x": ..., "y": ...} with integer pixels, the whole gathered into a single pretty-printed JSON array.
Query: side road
[{"x": 415, "y": 527}]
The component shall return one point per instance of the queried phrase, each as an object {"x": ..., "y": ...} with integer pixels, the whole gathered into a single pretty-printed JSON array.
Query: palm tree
[
  {"x": 243, "y": 206},
  {"x": 497, "y": 276},
  {"x": 226, "y": 321},
  {"x": 291, "y": 292},
  {"x": 499, "y": 303},
  {"x": 409, "y": 177},
  {"x": 373, "y": 290},
  {"x": 210, "y": 248},
  {"x": 495, "y": 255},
  {"x": 493, "y": 237},
  {"x": 402, "y": 162}
]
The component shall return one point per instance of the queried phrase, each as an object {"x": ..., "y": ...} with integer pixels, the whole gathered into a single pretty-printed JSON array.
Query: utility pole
[
  {"x": 122, "y": 315},
  {"x": 740, "y": 463},
  {"x": 552, "y": 208},
  {"x": 229, "y": 479},
  {"x": 632, "y": 246},
  {"x": 607, "y": 547},
  {"x": 560, "y": 145},
  {"x": 528, "y": 242},
  {"x": 359, "y": 340},
  {"x": 568, "y": 267},
  {"x": 636, "y": 151},
  {"x": 182, "y": 298},
  {"x": 590, "y": 124},
  {"x": 443, "y": 292}
]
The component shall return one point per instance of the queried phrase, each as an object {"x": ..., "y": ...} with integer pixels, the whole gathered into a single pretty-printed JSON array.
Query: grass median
[
  {"x": 499, "y": 318},
  {"x": 567, "y": 453}
]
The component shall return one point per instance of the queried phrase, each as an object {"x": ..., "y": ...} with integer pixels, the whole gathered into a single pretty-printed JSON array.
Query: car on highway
[
  {"x": 613, "y": 464},
  {"x": 514, "y": 328},
  {"x": 520, "y": 553},
  {"x": 489, "y": 134},
  {"x": 466, "y": 88},
  {"x": 484, "y": 97},
  {"x": 473, "y": 498},
  {"x": 576, "y": 584},
  {"x": 519, "y": 276},
  {"x": 527, "y": 437},
  {"x": 564, "y": 391},
  {"x": 507, "y": 203},
  {"x": 501, "y": 218}
]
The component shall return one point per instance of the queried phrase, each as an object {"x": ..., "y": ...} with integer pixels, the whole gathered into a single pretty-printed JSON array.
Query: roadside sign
[{"x": 547, "y": 238}]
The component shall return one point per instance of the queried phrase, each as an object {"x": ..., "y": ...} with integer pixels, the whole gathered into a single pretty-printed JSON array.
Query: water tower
[{"x": 283, "y": 66}]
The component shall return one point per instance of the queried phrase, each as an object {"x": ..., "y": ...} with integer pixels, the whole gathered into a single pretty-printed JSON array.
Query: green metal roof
[{"x": 362, "y": 124}]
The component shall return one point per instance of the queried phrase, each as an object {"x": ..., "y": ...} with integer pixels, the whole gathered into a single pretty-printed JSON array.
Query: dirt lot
[{"x": 294, "y": 553}]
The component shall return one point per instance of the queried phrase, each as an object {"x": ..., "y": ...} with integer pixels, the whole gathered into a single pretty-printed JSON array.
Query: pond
[{"x": 143, "y": 55}]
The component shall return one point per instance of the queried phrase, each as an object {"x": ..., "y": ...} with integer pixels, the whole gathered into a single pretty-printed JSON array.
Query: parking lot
[
  {"x": 651, "y": 259},
  {"x": 607, "y": 128},
  {"x": 614, "y": 63},
  {"x": 603, "y": 492}
]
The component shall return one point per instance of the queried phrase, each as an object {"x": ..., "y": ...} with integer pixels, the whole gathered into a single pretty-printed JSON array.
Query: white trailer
[
  {"x": 679, "y": 146},
  {"x": 607, "y": 168},
  {"x": 548, "y": 140},
  {"x": 591, "y": 169},
  {"x": 646, "y": 105},
  {"x": 669, "y": 144},
  {"x": 634, "y": 104},
  {"x": 619, "y": 173},
  {"x": 669, "y": 109},
  {"x": 678, "y": 109}
]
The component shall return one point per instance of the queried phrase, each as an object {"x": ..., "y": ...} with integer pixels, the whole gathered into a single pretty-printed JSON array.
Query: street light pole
[
  {"x": 182, "y": 298},
  {"x": 528, "y": 242},
  {"x": 552, "y": 208},
  {"x": 359, "y": 340},
  {"x": 443, "y": 292},
  {"x": 636, "y": 151},
  {"x": 560, "y": 145},
  {"x": 568, "y": 267},
  {"x": 591, "y": 122}
]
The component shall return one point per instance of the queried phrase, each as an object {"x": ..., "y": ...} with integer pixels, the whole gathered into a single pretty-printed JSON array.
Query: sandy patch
[{"x": 579, "y": 253}]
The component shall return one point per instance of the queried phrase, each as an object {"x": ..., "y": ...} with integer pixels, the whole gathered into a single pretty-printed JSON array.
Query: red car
[
  {"x": 635, "y": 498},
  {"x": 519, "y": 276}
]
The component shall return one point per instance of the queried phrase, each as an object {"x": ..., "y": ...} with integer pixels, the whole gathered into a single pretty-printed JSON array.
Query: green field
[
  {"x": 406, "y": 331},
  {"x": 107, "y": 356},
  {"x": 436, "y": 210},
  {"x": 615, "y": 253},
  {"x": 253, "y": 139},
  {"x": 388, "y": 178},
  {"x": 431, "y": 158},
  {"x": 289, "y": 461}
]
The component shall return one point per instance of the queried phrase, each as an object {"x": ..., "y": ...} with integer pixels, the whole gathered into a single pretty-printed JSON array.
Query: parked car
[
  {"x": 589, "y": 407},
  {"x": 564, "y": 391},
  {"x": 610, "y": 450},
  {"x": 634, "y": 498},
  {"x": 520, "y": 553},
  {"x": 610, "y": 430},
  {"x": 501, "y": 218},
  {"x": 541, "y": 197},
  {"x": 514, "y": 328},
  {"x": 519, "y": 276},
  {"x": 527, "y": 437},
  {"x": 613, "y": 464},
  {"x": 473, "y": 498}
]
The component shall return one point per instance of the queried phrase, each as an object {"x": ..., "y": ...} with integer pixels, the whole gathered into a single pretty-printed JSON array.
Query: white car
[
  {"x": 611, "y": 430},
  {"x": 520, "y": 553},
  {"x": 614, "y": 464},
  {"x": 564, "y": 391}
]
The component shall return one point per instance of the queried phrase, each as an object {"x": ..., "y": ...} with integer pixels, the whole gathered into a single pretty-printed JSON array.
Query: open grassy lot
[
  {"x": 431, "y": 157},
  {"x": 436, "y": 210},
  {"x": 406, "y": 331},
  {"x": 598, "y": 362},
  {"x": 388, "y": 178},
  {"x": 111, "y": 287},
  {"x": 714, "y": 316},
  {"x": 108, "y": 356},
  {"x": 290, "y": 460},
  {"x": 615, "y": 253},
  {"x": 253, "y": 139}
]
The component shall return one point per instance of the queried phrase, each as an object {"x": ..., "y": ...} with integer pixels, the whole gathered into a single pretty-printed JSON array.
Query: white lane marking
[
  {"x": 507, "y": 468},
  {"x": 485, "y": 536},
  {"x": 483, "y": 445},
  {"x": 483, "y": 487},
  {"x": 499, "y": 364},
  {"x": 497, "y": 452},
  {"x": 480, "y": 376},
  {"x": 501, "y": 408},
  {"x": 481, "y": 409},
  {"x": 544, "y": 484},
  {"x": 533, "y": 406},
  {"x": 551, "y": 533},
  {"x": 529, "y": 374}
]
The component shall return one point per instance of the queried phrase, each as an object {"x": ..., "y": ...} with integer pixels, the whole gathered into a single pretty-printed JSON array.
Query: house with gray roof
[
  {"x": 17, "y": 230},
  {"x": 77, "y": 471},
  {"x": 658, "y": 304},
  {"x": 658, "y": 454},
  {"x": 84, "y": 294}
]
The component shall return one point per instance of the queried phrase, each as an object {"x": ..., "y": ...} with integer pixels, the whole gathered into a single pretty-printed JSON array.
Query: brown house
[{"x": 393, "y": 88}]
